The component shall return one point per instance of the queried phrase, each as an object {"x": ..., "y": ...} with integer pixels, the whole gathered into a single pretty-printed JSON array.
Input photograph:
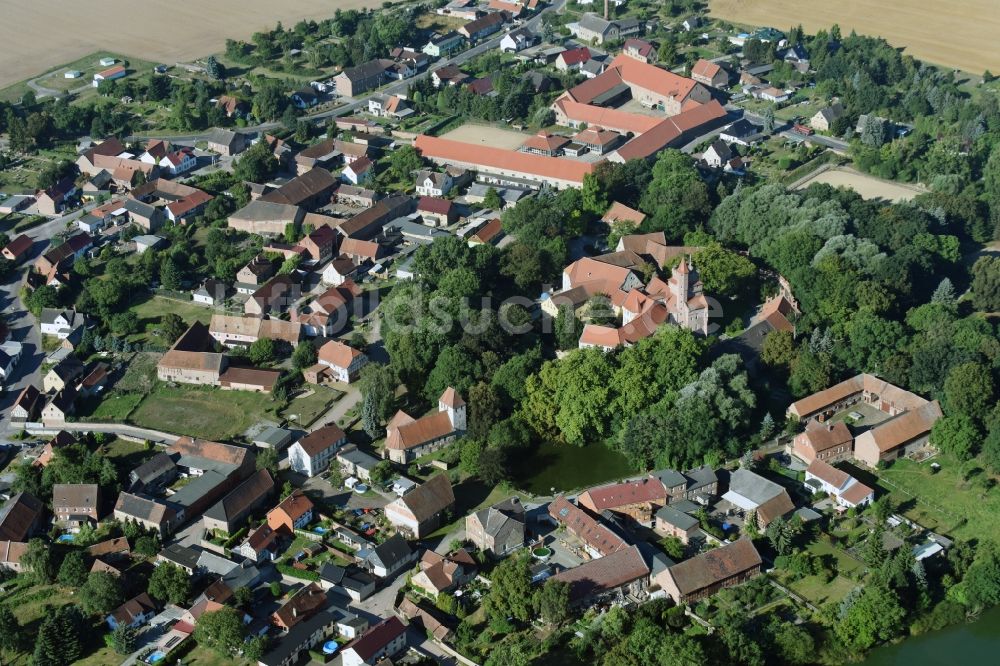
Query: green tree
[
  {"x": 553, "y": 601},
  {"x": 567, "y": 329},
  {"x": 268, "y": 459},
  {"x": 169, "y": 583},
  {"x": 379, "y": 382},
  {"x": 11, "y": 636},
  {"x": 304, "y": 355},
  {"x": 403, "y": 162},
  {"x": 594, "y": 197},
  {"x": 492, "y": 199},
  {"x": 262, "y": 351},
  {"x": 382, "y": 472},
  {"x": 38, "y": 564},
  {"x": 256, "y": 648},
  {"x": 723, "y": 271},
  {"x": 956, "y": 434},
  {"x": 510, "y": 594},
  {"x": 73, "y": 570},
  {"x": 677, "y": 196},
  {"x": 123, "y": 639},
  {"x": 969, "y": 389},
  {"x": 101, "y": 593},
  {"x": 221, "y": 630},
  {"x": 778, "y": 349},
  {"x": 257, "y": 164},
  {"x": 172, "y": 327},
  {"x": 874, "y": 616}
]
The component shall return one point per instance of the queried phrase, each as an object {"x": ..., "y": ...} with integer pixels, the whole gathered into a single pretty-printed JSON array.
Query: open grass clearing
[
  {"x": 205, "y": 412},
  {"x": 946, "y": 501}
]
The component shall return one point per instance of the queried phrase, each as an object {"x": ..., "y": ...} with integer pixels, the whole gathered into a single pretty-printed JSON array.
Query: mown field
[{"x": 962, "y": 35}]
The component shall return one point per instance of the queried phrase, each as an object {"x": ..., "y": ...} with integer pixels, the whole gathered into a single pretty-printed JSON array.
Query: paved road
[{"x": 21, "y": 323}]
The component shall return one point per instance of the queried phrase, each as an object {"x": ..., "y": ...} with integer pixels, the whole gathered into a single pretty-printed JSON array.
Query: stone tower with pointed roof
[
  {"x": 451, "y": 403},
  {"x": 687, "y": 305}
]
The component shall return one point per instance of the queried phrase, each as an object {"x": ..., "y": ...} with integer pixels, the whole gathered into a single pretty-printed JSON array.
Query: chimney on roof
[
  {"x": 295, "y": 611},
  {"x": 829, "y": 426}
]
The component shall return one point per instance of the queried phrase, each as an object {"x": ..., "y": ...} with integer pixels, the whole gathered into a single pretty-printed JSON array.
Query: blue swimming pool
[
  {"x": 66, "y": 538},
  {"x": 319, "y": 529},
  {"x": 156, "y": 657},
  {"x": 330, "y": 647}
]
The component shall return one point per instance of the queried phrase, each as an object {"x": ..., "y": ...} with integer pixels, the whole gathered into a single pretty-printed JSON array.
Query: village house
[
  {"x": 339, "y": 271},
  {"x": 28, "y": 404},
  {"x": 63, "y": 374},
  {"x": 830, "y": 442},
  {"x": 384, "y": 640},
  {"x": 313, "y": 189},
  {"x": 672, "y": 522},
  {"x": 742, "y": 132},
  {"x": 421, "y": 511},
  {"x": 53, "y": 200},
  {"x": 358, "y": 172},
  {"x": 497, "y": 529},
  {"x": 135, "y": 612},
  {"x": 444, "y": 573},
  {"x": 353, "y": 581},
  {"x": 624, "y": 571},
  {"x": 342, "y": 362},
  {"x": 11, "y": 553},
  {"x": 21, "y": 517},
  {"x": 18, "y": 249},
  {"x": 408, "y": 438},
  {"x": 570, "y": 60},
  {"x": 388, "y": 558},
  {"x": 865, "y": 389},
  {"x": 437, "y": 212},
  {"x": 517, "y": 40},
  {"x": 75, "y": 504},
  {"x": 751, "y": 492},
  {"x": 442, "y": 45},
  {"x": 718, "y": 155},
  {"x": 483, "y": 26},
  {"x": 433, "y": 183},
  {"x": 212, "y": 292},
  {"x": 366, "y": 76},
  {"x": 257, "y": 272},
  {"x": 711, "y": 74},
  {"x": 229, "y": 513},
  {"x": 312, "y": 454},
  {"x": 641, "y": 50},
  {"x": 273, "y": 297},
  {"x": 823, "y": 120},
  {"x": 706, "y": 573},
  {"x": 59, "y": 407},
  {"x": 226, "y": 142},
  {"x": 638, "y": 500},
  {"x": 323, "y": 154},
  {"x": 897, "y": 437},
  {"x": 60, "y": 440},
  {"x": 597, "y": 539},
  {"x": 262, "y": 216},
  {"x": 308, "y": 600},
  {"x": 842, "y": 487},
  {"x": 62, "y": 256},
  {"x": 294, "y": 512},
  {"x": 192, "y": 359},
  {"x": 305, "y": 636},
  {"x": 261, "y": 545},
  {"x": 149, "y": 513}
]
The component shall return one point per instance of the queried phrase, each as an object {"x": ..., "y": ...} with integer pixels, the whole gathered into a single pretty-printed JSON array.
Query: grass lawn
[
  {"x": 152, "y": 310},
  {"x": 116, "y": 406},
  {"x": 820, "y": 592},
  {"x": 103, "y": 657},
  {"x": 472, "y": 495},
  {"x": 209, "y": 413},
  {"x": 203, "y": 656},
  {"x": 307, "y": 408},
  {"x": 127, "y": 455},
  {"x": 945, "y": 501}
]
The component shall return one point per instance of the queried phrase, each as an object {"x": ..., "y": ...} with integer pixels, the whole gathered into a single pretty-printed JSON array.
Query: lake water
[
  {"x": 974, "y": 643},
  {"x": 568, "y": 467}
]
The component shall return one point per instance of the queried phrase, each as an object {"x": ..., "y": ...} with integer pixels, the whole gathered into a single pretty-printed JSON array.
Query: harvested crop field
[
  {"x": 869, "y": 187},
  {"x": 494, "y": 137},
  {"x": 38, "y": 35},
  {"x": 961, "y": 35}
]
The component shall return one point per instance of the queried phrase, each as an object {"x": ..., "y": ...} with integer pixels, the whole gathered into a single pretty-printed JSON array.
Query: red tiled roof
[
  {"x": 671, "y": 129},
  {"x": 585, "y": 527},
  {"x": 575, "y": 56},
  {"x": 368, "y": 644},
  {"x": 322, "y": 439},
  {"x": 622, "y": 494},
  {"x": 435, "y": 205},
  {"x": 473, "y": 155}
]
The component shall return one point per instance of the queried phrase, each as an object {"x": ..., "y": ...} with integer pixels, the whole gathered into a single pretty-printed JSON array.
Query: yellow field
[
  {"x": 869, "y": 187},
  {"x": 961, "y": 34},
  {"x": 40, "y": 34}
]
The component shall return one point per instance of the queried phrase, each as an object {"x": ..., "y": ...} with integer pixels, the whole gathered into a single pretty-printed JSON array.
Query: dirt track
[
  {"x": 867, "y": 186},
  {"x": 40, "y": 34},
  {"x": 960, "y": 34}
]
